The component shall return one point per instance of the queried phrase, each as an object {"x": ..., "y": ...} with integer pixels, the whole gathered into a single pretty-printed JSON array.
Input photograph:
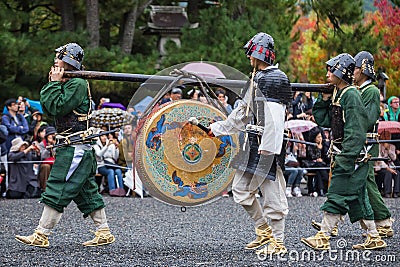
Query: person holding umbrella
[{"x": 72, "y": 177}]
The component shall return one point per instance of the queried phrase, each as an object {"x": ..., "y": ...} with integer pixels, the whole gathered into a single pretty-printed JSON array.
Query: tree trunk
[
  {"x": 129, "y": 30},
  {"x": 67, "y": 16},
  {"x": 93, "y": 22},
  {"x": 129, "y": 26},
  {"x": 25, "y": 23},
  {"x": 193, "y": 11},
  {"x": 105, "y": 35}
]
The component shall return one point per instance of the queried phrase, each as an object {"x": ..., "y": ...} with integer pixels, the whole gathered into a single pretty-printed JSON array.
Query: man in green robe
[
  {"x": 364, "y": 75},
  {"x": 347, "y": 193},
  {"x": 72, "y": 177}
]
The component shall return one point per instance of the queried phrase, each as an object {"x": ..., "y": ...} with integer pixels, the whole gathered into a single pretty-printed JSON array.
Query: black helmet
[
  {"x": 344, "y": 68},
  {"x": 331, "y": 62},
  {"x": 261, "y": 46},
  {"x": 72, "y": 54},
  {"x": 253, "y": 40},
  {"x": 365, "y": 61}
]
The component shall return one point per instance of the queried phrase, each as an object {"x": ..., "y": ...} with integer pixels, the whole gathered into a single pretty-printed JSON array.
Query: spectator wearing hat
[
  {"x": 16, "y": 123},
  {"x": 23, "y": 182},
  {"x": 176, "y": 93},
  {"x": 35, "y": 126},
  {"x": 393, "y": 114},
  {"x": 46, "y": 155}
]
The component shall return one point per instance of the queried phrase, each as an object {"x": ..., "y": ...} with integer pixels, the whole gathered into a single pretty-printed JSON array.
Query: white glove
[{"x": 194, "y": 121}]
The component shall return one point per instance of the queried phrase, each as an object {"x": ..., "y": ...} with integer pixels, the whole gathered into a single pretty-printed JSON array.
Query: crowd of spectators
[
  {"x": 26, "y": 138},
  {"x": 312, "y": 167}
]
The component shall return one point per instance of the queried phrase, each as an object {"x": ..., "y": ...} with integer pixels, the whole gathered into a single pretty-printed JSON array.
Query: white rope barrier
[
  {"x": 127, "y": 168},
  {"x": 41, "y": 161},
  {"x": 325, "y": 168}
]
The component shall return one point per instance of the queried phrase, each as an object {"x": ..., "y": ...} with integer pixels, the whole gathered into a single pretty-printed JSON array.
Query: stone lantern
[{"x": 167, "y": 22}]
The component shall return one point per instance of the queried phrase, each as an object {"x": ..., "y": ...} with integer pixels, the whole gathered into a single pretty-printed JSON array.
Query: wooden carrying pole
[{"x": 237, "y": 84}]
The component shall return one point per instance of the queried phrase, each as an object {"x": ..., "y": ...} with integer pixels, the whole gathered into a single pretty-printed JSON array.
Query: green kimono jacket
[
  {"x": 371, "y": 98},
  {"x": 72, "y": 177},
  {"x": 58, "y": 99}
]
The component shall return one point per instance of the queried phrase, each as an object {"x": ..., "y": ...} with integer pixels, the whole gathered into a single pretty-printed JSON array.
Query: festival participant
[
  {"x": 263, "y": 167},
  {"x": 72, "y": 177},
  {"x": 344, "y": 112},
  {"x": 364, "y": 75}
]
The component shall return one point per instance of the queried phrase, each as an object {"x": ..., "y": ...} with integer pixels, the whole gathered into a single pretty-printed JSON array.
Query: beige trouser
[
  {"x": 274, "y": 207},
  {"x": 50, "y": 217},
  {"x": 99, "y": 218},
  {"x": 385, "y": 222},
  {"x": 330, "y": 220}
]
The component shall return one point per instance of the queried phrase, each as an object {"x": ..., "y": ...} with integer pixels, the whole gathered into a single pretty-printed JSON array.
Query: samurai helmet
[
  {"x": 344, "y": 68},
  {"x": 72, "y": 54},
  {"x": 365, "y": 61},
  {"x": 253, "y": 40},
  {"x": 261, "y": 46},
  {"x": 331, "y": 62}
]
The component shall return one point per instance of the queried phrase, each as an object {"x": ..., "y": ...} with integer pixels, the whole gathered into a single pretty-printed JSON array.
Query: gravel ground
[{"x": 150, "y": 233}]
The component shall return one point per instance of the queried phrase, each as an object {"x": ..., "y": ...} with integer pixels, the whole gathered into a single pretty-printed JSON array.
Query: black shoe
[
  {"x": 395, "y": 195},
  {"x": 387, "y": 196},
  {"x": 321, "y": 193}
]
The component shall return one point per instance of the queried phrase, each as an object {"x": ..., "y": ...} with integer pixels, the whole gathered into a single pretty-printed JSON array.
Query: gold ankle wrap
[
  {"x": 275, "y": 247},
  {"x": 372, "y": 242},
  {"x": 37, "y": 239},
  {"x": 102, "y": 237},
  {"x": 319, "y": 242},
  {"x": 264, "y": 234}
]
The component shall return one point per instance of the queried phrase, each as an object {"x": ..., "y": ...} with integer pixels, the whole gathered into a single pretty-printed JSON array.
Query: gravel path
[{"x": 150, "y": 233}]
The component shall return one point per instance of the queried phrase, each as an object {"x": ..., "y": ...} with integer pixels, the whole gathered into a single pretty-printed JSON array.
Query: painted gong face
[{"x": 178, "y": 162}]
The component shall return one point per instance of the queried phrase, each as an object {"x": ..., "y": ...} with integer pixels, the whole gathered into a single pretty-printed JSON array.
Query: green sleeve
[
  {"x": 355, "y": 126},
  {"x": 59, "y": 99},
  {"x": 322, "y": 112},
  {"x": 371, "y": 98}
]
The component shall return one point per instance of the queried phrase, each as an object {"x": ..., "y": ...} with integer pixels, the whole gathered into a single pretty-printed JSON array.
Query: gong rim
[{"x": 173, "y": 157}]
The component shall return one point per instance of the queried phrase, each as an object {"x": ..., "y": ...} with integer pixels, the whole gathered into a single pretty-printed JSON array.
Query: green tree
[
  {"x": 231, "y": 27},
  {"x": 337, "y": 12}
]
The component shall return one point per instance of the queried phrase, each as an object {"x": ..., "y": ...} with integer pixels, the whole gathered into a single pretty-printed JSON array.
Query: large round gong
[{"x": 178, "y": 162}]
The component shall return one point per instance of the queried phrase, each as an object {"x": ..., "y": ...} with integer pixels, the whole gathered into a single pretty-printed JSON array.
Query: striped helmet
[
  {"x": 365, "y": 61},
  {"x": 72, "y": 54},
  {"x": 261, "y": 46},
  {"x": 344, "y": 68}
]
